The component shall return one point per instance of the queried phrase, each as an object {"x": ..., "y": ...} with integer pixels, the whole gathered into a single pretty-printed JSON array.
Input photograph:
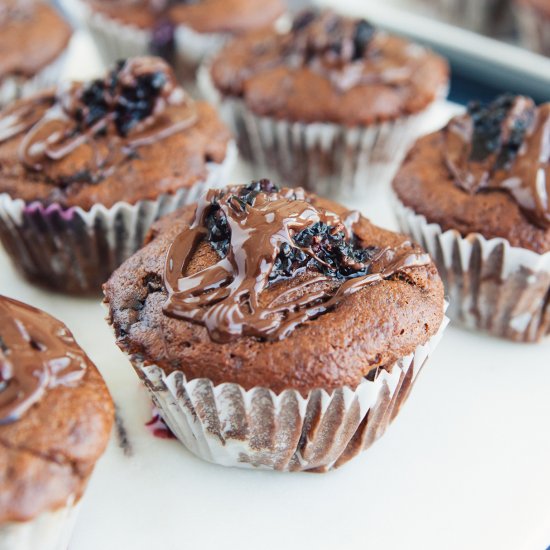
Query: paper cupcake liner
[
  {"x": 116, "y": 40},
  {"x": 49, "y": 531},
  {"x": 493, "y": 17},
  {"x": 534, "y": 29},
  {"x": 227, "y": 425},
  {"x": 14, "y": 87},
  {"x": 326, "y": 159},
  {"x": 74, "y": 250},
  {"x": 492, "y": 286}
]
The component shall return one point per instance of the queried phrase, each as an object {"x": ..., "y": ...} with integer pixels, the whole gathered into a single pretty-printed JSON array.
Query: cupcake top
[
  {"x": 32, "y": 35},
  {"x": 204, "y": 16},
  {"x": 131, "y": 136},
  {"x": 329, "y": 68},
  {"x": 486, "y": 172},
  {"x": 276, "y": 288},
  {"x": 55, "y": 414}
]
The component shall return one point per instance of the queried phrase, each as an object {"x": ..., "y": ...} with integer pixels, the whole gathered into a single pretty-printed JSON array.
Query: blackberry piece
[
  {"x": 487, "y": 120},
  {"x": 324, "y": 248},
  {"x": 364, "y": 32},
  {"x": 219, "y": 234},
  {"x": 136, "y": 103},
  {"x": 93, "y": 98},
  {"x": 304, "y": 19},
  {"x": 249, "y": 192}
]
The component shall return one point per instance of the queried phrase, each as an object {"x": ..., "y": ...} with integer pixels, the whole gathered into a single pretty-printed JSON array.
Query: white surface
[
  {"x": 501, "y": 64},
  {"x": 466, "y": 464}
]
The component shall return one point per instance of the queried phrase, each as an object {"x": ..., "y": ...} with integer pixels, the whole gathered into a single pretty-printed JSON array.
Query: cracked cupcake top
[
  {"x": 32, "y": 35},
  {"x": 360, "y": 75},
  {"x": 269, "y": 286},
  {"x": 55, "y": 413},
  {"x": 489, "y": 173},
  {"x": 109, "y": 139}
]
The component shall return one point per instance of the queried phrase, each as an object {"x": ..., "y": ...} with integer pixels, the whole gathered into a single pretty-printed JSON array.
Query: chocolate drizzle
[
  {"x": 348, "y": 52},
  {"x": 132, "y": 107},
  {"x": 268, "y": 235},
  {"x": 504, "y": 146},
  {"x": 37, "y": 353}
]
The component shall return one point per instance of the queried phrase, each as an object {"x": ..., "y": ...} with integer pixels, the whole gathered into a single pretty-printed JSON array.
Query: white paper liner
[
  {"x": 491, "y": 285},
  {"x": 116, "y": 40},
  {"x": 327, "y": 159},
  {"x": 14, "y": 87},
  {"x": 227, "y": 425},
  {"x": 49, "y": 531},
  {"x": 534, "y": 29},
  {"x": 76, "y": 250}
]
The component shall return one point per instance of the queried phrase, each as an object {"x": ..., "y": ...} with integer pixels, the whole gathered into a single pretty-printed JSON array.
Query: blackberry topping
[
  {"x": 328, "y": 252},
  {"x": 364, "y": 32},
  {"x": 304, "y": 19},
  {"x": 489, "y": 121},
  {"x": 327, "y": 34},
  {"x": 321, "y": 247},
  {"x": 216, "y": 223},
  {"x": 129, "y": 104}
]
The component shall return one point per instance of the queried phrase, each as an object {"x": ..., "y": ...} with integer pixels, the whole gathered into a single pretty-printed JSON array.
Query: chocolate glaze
[
  {"x": 504, "y": 146},
  {"x": 129, "y": 107},
  {"x": 227, "y": 297},
  {"x": 37, "y": 353}
]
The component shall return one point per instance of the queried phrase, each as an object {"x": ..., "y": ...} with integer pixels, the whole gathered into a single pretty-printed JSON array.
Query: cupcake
[
  {"x": 182, "y": 32},
  {"x": 491, "y": 17},
  {"x": 56, "y": 416},
  {"x": 33, "y": 40},
  {"x": 275, "y": 329},
  {"x": 475, "y": 195},
  {"x": 87, "y": 167},
  {"x": 331, "y": 105},
  {"x": 533, "y": 18}
]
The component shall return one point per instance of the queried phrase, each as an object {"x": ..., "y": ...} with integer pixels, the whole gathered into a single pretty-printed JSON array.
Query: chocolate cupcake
[
  {"x": 182, "y": 32},
  {"x": 55, "y": 420},
  {"x": 87, "y": 167},
  {"x": 275, "y": 329},
  {"x": 533, "y": 18},
  {"x": 331, "y": 105},
  {"x": 33, "y": 40},
  {"x": 475, "y": 195}
]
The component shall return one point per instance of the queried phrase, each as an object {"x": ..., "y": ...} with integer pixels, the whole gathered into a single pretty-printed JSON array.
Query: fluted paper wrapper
[
  {"x": 534, "y": 29},
  {"x": 14, "y": 87},
  {"x": 491, "y": 285},
  {"x": 227, "y": 425},
  {"x": 327, "y": 159},
  {"x": 49, "y": 531},
  {"x": 116, "y": 40},
  {"x": 75, "y": 250}
]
